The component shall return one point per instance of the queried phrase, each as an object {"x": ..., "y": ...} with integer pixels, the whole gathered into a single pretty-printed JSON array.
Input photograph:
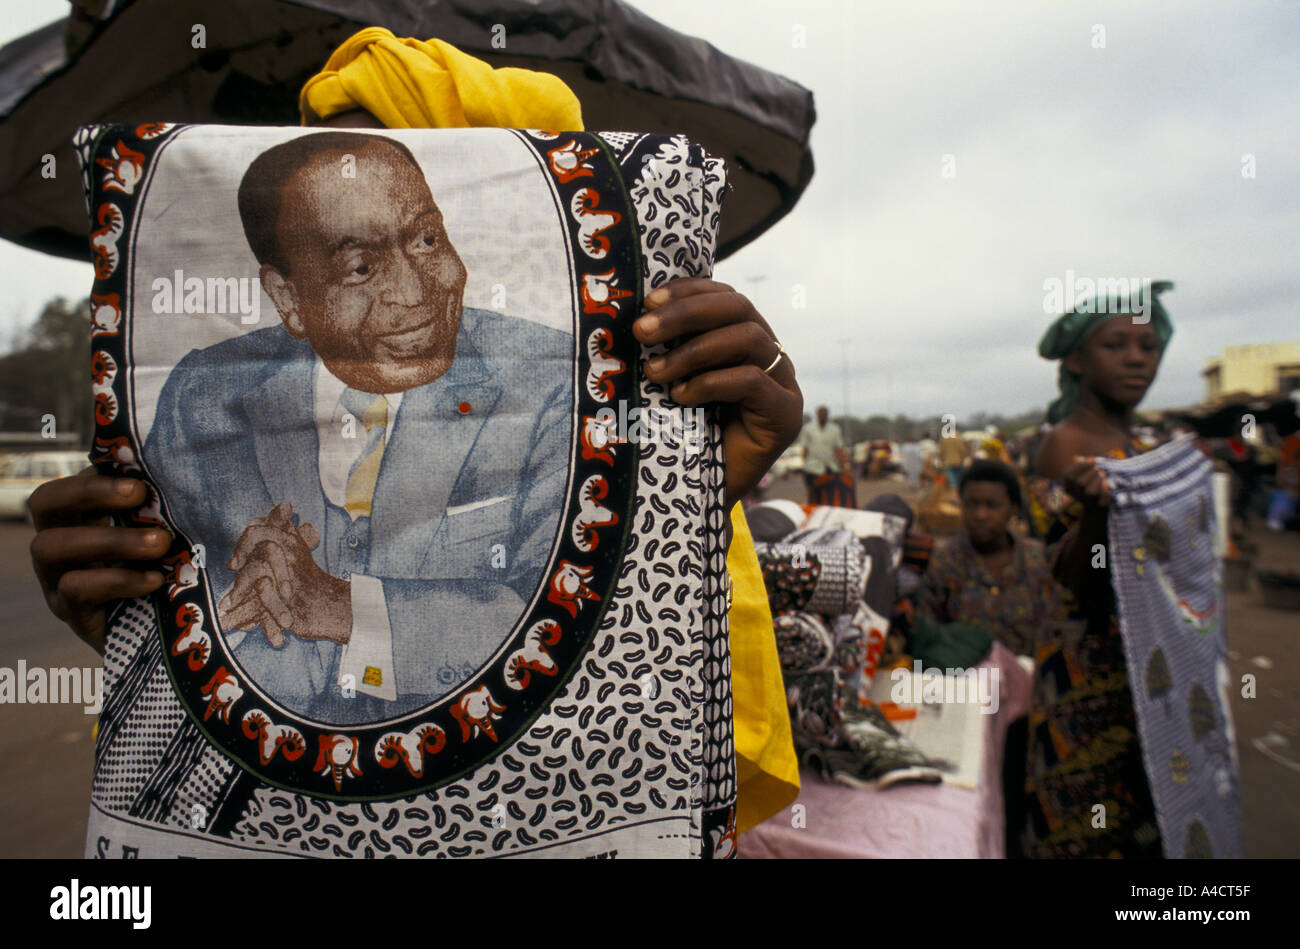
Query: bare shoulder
[{"x": 1060, "y": 447}]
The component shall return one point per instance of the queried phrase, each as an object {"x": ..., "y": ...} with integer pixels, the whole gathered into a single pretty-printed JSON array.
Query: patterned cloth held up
[
  {"x": 1169, "y": 590},
  {"x": 350, "y": 710}
]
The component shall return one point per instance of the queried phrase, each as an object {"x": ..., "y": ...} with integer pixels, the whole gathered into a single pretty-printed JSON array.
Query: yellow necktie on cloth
[
  {"x": 409, "y": 83},
  {"x": 361, "y": 482}
]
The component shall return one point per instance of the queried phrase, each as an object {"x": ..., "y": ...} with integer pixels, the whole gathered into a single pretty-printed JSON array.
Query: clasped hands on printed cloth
[
  {"x": 726, "y": 354},
  {"x": 279, "y": 586}
]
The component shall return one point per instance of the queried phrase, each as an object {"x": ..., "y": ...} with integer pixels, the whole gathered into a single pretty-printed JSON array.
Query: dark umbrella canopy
[{"x": 136, "y": 60}]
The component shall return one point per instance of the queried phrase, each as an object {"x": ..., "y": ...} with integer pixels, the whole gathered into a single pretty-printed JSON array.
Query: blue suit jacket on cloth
[{"x": 235, "y": 434}]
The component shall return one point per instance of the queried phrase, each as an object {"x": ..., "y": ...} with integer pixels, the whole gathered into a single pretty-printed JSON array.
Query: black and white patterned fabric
[
  {"x": 804, "y": 643},
  {"x": 596, "y": 720},
  {"x": 817, "y": 579}
]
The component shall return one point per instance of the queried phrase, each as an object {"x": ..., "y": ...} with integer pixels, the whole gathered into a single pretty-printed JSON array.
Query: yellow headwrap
[{"x": 406, "y": 83}]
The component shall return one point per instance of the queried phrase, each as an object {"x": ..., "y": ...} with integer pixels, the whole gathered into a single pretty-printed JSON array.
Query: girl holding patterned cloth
[{"x": 1084, "y": 748}]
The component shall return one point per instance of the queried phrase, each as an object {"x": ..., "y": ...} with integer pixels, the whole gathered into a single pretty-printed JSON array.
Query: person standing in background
[
  {"x": 1083, "y": 739},
  {"x": 825, "y": 461},
  {"x": 913, "y": 460},
  {"x": 953, "y": 455}
]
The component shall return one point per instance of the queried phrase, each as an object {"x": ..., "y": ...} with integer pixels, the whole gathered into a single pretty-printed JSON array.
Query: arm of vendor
[{"x": 364, "y": 378}]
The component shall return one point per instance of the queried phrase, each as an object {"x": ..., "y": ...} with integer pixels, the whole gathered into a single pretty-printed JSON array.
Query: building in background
[{"x": 1253, "y": 368}]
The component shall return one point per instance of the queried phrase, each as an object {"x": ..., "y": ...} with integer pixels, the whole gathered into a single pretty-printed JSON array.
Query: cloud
[{"x": 1120, "y": 161}]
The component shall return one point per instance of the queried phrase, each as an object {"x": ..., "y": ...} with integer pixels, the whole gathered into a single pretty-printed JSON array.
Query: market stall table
[{"x": 905, "y": 820}]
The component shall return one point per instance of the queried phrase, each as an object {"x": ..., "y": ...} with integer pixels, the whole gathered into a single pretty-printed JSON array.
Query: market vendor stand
[{"x": 904, "y": 820}]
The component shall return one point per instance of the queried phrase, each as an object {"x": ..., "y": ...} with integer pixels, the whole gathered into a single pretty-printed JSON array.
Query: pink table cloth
[{"x": 906, "y": 820}]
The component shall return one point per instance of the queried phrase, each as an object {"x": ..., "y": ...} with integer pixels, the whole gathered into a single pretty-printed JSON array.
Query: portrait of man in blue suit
[{"x": 377, "y": 481}]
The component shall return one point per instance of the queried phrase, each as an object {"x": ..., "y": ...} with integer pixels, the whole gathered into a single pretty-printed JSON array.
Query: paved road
[{"x": 46, "y": 749}]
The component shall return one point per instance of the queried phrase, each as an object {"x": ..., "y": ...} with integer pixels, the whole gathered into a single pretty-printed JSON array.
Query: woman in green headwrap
[{"x": 1083, "y": 741}]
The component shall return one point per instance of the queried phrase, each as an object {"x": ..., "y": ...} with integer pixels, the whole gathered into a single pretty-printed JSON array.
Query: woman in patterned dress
[
  {"x": 1087, "y": 790},
  {"x": 988, "y": 576}
]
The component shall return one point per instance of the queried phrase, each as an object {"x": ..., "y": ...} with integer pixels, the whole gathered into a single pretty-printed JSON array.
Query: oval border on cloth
[{"x": 440, "y": 742}]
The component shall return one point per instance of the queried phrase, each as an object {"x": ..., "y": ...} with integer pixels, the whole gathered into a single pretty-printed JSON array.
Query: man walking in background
[{"x": 826, "y": 462}]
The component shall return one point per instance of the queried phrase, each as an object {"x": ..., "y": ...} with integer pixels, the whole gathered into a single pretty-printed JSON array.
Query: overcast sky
[{"x": 1119, "y": 161}]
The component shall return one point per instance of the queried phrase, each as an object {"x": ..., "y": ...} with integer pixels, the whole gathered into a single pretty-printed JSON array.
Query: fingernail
[
  {"x": 284, "y": 620},
  {"x": 657, "y": 297},
  {"x": 153, "y": 576},
  {"x": 126, "y": 487},
  {"x": 648, "y": 325},
  {"x": 151, "y": 538},
  {"x": 678, "y": 389},
  {"x": 656, "y": 364}
]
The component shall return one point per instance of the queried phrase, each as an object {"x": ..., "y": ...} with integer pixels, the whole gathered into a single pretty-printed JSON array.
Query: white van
[{"x": 21, "y": 473}]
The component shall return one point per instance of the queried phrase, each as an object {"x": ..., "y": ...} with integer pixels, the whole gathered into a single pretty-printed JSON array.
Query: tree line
[{"x": 47, "y": 373}]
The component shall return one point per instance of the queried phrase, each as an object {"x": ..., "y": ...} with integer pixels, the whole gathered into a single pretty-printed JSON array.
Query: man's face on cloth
[{"x": 374, "y": 283}]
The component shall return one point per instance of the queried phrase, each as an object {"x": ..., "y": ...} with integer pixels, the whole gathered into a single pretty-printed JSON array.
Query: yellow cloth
[
  {"x": 767, "y": 771},
  {"x": 365, "y": 473},
  {"x": 407, "y": 83}
]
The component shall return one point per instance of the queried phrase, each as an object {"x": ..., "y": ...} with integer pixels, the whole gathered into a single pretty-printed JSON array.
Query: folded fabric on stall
[
  {"x": 475, "y": 565},
  {"x": 871, "y": 754},
  {"x": 771, "y": 521},
  {"x": 859, "y": 643},
  {"x": 863, "y": 524},
  {"x": 815, "y": 579},
  {"x": 824, "y": 536},
  {"x": 892, "y": 504},
  {"x": 948, "y": 645},
  {"x": 1169, "y": 592},
  {"x": 803, "y": 641},
  {"x": 816, "y": 709}
]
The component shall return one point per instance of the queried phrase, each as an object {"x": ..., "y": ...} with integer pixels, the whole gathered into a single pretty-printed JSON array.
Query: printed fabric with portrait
[{"x": 448, "y": 573}]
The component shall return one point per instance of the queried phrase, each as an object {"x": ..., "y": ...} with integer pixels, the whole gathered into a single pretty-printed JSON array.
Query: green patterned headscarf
[{"x": 1073, "y": 328}]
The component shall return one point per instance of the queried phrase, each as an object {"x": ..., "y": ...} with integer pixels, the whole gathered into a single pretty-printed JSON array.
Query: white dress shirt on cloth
[{"x": 368, "y": 656}]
